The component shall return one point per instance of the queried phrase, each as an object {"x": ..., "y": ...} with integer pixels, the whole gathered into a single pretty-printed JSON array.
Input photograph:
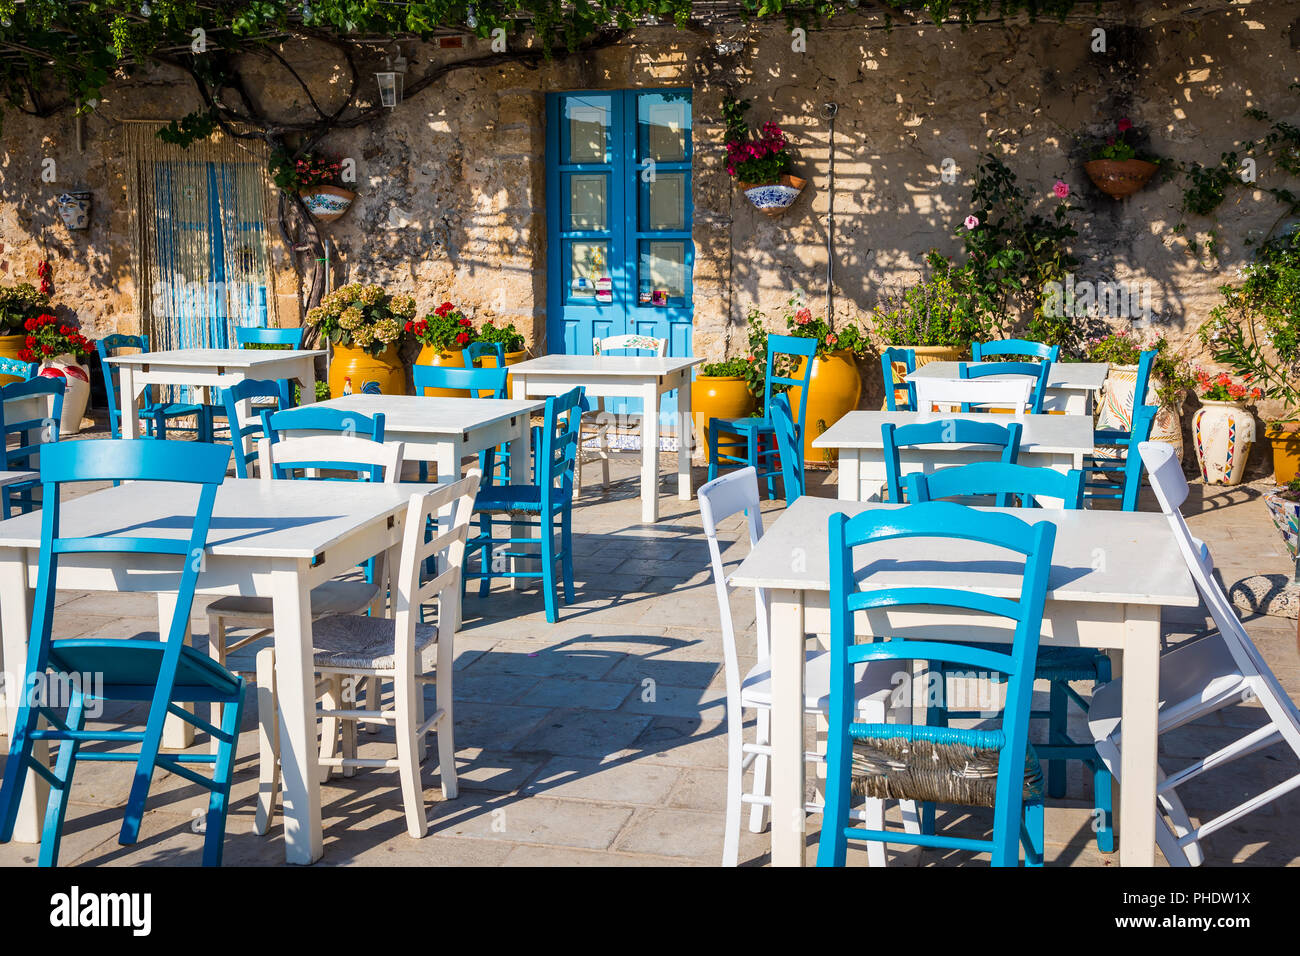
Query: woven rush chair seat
[
  {"x": 332, "y": 597},
  {"x": 353, "y": 641},
  {"x": 955, "y": 767}
]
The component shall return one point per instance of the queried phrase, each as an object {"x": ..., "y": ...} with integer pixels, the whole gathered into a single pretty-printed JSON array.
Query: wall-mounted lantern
[{"x": 391, "y": 80}]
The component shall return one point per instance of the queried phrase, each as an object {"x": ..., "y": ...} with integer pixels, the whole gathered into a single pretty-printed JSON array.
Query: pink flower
[
  {"x": 1125, "y": 125},
  {"x": 972, "y": 222},
  {"x": 831, "y": 340},
  {"x": 1061, "y": 189},
  {"x": 803, "y": 316}
]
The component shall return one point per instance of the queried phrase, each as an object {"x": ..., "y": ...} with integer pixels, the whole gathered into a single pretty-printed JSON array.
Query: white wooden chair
[
  {"x": 597, "y": 422},
  {"x": 332, "y": 597},
  {"x": 400, "y": 649},
  {"x": 721, "y": 498},
  {"x": 1198, "y": 678},
  {"x": 998, "y": 393}
]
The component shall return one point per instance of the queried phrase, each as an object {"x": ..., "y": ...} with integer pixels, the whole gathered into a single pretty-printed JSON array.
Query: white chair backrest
[
  {"x": 648, "y": 343},
  {"x": 1167, "y": 480},
  {"x": 719, "y": 500},
  {"x": 410, "y": 592},
  {"x": 307, "y": 452},
  {"x": 980, "y": 391}
]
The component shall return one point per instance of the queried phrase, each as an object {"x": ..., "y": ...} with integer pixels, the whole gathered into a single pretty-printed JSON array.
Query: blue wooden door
[{"x": 619, "y": 220}]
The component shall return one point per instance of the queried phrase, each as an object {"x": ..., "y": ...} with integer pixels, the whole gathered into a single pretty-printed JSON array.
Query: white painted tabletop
[
  {"x": 251, "y": 518},
  {"x": 13, "y": 477},
  {"x": 429, "y": 415},
  {"x": 1075, "y": 376},
  {"x": 1069, "y": 434},
  {"x": 239, "y": 358},
  {"x": 605, "y": 365},
  {"x": 1100, "y": 556}
]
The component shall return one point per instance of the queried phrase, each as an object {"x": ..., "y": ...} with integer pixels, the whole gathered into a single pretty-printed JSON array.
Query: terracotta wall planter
[
  {"x": 352, "y": 370},
  {"x": 722, "y": 396},
  {"x": 327, "y": 203},
  {"x": 833, "y": 392},
  {"x": 1118, "y": 178},
  {"x": 1285, "y": 437},
  {"x": 1224, "y": 432}
]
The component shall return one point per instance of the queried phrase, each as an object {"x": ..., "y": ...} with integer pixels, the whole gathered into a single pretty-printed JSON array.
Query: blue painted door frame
[{"x": 618, "y": 182}]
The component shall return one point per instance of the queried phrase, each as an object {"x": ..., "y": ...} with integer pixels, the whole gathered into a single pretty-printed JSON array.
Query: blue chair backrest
[
  {"x": 474, "y": 353},
  {"x": 945, "y": 431},
  {"x": 258, "y": 335},
  {"x": 1038, "y": 371},
  {"x": 983, "y": 350},
  {"x": 796, "y": 347},
  {"x": 1145, "y": 361},
  {"x": 1022, "y": 483},
  {"x": 107, "y": 347},
  {"x": 23, "y": 370},
  {"x": 789, "y": 443},
  {"x": 851, "y": 594},
  {"x": 888, "y": 359},
  {"x": 46, "y": 426},
  {"x": 1144, "y": 419},
  {"x": 245, "y": 436},
  {"x": 475, "y": 382},
  {"x": 558, "y": 450},
  {"x": 312, "y": 418}
]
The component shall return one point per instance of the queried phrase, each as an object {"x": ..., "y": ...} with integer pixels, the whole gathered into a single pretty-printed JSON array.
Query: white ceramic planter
[
  {"x": 1224, "y": 433},
  {"x": 76, "y": 391}
]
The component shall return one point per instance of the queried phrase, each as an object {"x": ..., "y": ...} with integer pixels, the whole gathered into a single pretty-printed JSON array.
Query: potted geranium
[
  {"x": 18, "y": 304},
  {"x": 1171, "y": 379},
  {"x": 1117, "y": 166},
  {"x": 62, "y": 351},
  {"x": 1224, "y": 429},
  {"x": 442, "y": 335},
  {"x": 316, "y": 180},
  {"x": 759, "y": 164},
  {"x": 365, "y": 325},
  {"x": 835, "y": 385}
]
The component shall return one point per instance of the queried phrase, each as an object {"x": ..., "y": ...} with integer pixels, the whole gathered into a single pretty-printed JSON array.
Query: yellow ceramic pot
[
  {"x": 722, "y": 396},
  {"x": 431, "y": 356},
  {"x": 1285, "y": 437},
  {"x": 512, "y": 358},
  {"x": 352, "y": 370},
  {"x": 10, "y": 346},
  {"x": 833, "y": 392}
]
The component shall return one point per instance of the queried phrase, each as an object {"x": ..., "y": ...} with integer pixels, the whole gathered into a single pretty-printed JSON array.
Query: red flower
[
  {"x": 27, "y": 355},
  {"x": 47, "y": 349},
  {"x": 409, "y": 325},
  {"x": 1125, "y": 125},
  {"x": 30, "y": 341},
  {"x": 465, "y": 323},
  {"x": 462, "y": 338},
  {"x": 30, "y": 324},
  {"x": 1110, "y": 140}
]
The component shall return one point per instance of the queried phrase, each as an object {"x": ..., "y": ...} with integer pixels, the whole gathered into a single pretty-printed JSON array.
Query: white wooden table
[
  {"x": 623, "y": 376},
  {"x": 1047, "y": 441},
  {"x": 207, "y": 369},
  {"x": 275, "y": 539},
  {"x": 1071, "y": 386},
  {"x": 1112, "y": 572}
]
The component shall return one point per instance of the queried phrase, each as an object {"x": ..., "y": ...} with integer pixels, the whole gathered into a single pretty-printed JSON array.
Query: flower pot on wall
[
  {"x": 833, "y": 392},
  {"x": 327, "y": 203},
  {"x": 353, "y": 370},
  {"x": 775, "y": 198},
  {"x": 74, "y": 209},
  {"x": 1285, "y": 437},
  {"x": 1118, "y": 178},
  {"x": 76, "y": 390},
  {"x": 1224, "y": 432},
  {"x": 1116, "y": 409},
  {"x": 721, "y": 396}
]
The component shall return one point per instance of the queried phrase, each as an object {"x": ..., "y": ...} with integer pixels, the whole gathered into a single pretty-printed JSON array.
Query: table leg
[
  {"x": 15, "y": 624},
  {"x": 308, "y": 382},
  {"x": 788, "y": 819},
  {"x": 684, "y": 450},
  {"x": 177, "y": 734},
  {"x": 1139, "y": 718},
  {"x": 650, "y": 454},
  {"x": 849, "y": 475},
  {"x": 130, "y": 405},
  {"x": 296, "y": 687}
]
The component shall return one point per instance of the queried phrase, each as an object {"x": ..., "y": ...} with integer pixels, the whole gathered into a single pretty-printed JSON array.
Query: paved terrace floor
[{"x": 566, "y": 757}]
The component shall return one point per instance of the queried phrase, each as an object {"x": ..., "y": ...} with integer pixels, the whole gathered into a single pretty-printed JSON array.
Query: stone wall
[{"x": 452, "y": 198}]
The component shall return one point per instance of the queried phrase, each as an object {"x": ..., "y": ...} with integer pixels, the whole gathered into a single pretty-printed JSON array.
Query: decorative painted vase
[
  {"x": 721, "y": 396},
  {"x": 774, "y": 198},
  {"x": 327, "y": 203},
  {"x": 1116, "y": 409},
  {"x": 1286, "y": 518},
  {"x": 1119, "y": 178},
  {"x": 76, "y": 390},
  {"x": 1224, "y": 432},
  {"x": 833, "y": 392},
  {"x": 74, "y": 208},
  {"x": 353, "y": 370}
]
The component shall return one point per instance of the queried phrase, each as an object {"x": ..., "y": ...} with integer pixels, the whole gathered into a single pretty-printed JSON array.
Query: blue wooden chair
[
  {"x": 24, "y": 371},
  {"x": 155, "y": 415},
  {"x": 1057, "y": 665},
  {"x": 906, "y": 358},
  {"x": 473, "y": 354},
  {"x": 549, "y": 497},
  {"x": 1120, "y": 479},
  {"x": 246, "y": 335},
  {"x": 159, "y": 673},
  {"x": 751, "y": 441},
  {"x": 789, "y": 442},
  {"x": 933, "y": 764},
  {"x": 945, "y": 431},
  {"x": 244, "y": 437},
  {"x": 23, "y": 456},
  {"x": 311, "y": 418},
  {"x": 1037, "y": 371},
  {"x": 472, "y": 382},
  {"x": 983, "y": 351}
]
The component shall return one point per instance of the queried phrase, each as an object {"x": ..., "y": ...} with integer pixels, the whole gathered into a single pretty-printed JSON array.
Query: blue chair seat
[
  {"x": 741, "y": 426},
  {"x": 511, "y": 498},
  {"x": 129, "y": 669},
  {"x": 171, "y": 409}
]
